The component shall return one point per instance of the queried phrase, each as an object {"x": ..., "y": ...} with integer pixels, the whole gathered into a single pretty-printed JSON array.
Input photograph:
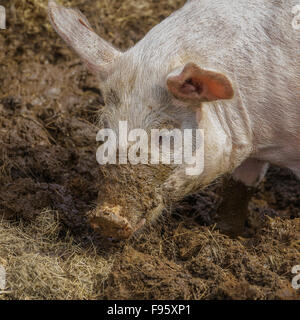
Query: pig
[{"x": 230, "y": 68}]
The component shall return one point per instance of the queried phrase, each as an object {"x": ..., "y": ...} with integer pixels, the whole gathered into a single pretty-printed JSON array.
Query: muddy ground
[{"x": 49, "y": 105}]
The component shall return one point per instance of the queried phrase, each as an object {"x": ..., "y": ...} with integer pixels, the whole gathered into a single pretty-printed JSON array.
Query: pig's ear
[
  {"x": 74, "y": 28},
  {"x": 195, "y": 84}
]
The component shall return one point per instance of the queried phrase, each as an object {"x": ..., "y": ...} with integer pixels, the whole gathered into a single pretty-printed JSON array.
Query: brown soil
[{"x": 49, "y": 179}]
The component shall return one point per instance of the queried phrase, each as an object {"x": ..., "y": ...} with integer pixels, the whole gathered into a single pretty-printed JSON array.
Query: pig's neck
[
  {"x": 228, "y": 137},
  {"x": 227, "y": 143}
]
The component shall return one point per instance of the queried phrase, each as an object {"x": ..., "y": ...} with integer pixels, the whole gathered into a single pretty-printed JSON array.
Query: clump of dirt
[
  {"x": 187, "y": 261},
  {"x": 49, "y": 106}
]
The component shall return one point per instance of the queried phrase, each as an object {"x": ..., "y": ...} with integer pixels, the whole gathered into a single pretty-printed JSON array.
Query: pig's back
[{"x": 255, "y": 44}]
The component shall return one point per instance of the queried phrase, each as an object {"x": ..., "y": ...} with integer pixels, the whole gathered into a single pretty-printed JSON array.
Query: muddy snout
[{"x": 110, "y": 224}]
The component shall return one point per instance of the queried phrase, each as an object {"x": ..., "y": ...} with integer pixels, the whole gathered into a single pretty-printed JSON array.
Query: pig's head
[{"x": 148, "y": 94}]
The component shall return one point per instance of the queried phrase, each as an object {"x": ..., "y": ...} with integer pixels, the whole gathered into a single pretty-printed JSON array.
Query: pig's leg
[{"x": 236, "y": 193}]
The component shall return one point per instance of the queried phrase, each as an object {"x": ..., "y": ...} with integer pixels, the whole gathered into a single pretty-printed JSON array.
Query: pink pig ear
[
  {"x": 196, "y": 84},
  {"x": 76, "y": 31}
]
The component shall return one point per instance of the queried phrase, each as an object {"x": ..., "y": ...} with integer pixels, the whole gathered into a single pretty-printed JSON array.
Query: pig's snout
[{"x": 111, "y": 224}]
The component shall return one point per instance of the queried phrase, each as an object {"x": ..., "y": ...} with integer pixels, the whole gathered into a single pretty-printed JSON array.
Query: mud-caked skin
[
  {"x": 124, "y": 188},
  {"x": 230, "y": 68}
]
